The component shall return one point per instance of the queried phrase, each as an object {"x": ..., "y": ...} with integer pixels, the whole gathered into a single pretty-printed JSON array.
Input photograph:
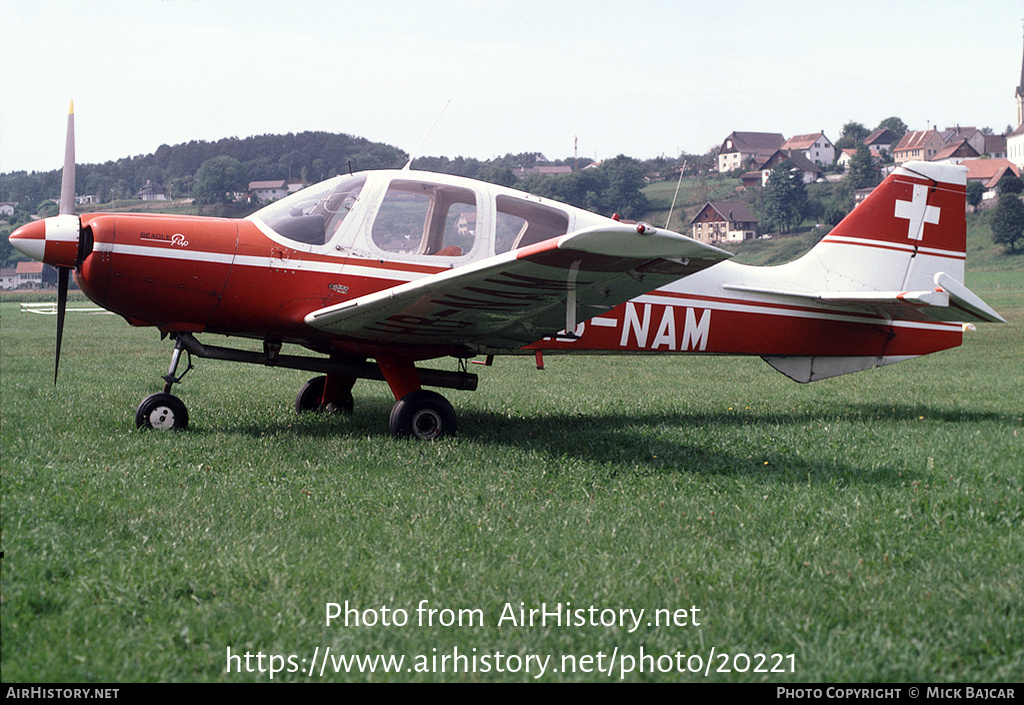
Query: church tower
[{"x": 1020, "y": 97}]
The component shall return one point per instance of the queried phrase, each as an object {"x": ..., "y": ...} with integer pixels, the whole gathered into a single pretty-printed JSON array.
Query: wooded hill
[{"x": 312, "y": 156}]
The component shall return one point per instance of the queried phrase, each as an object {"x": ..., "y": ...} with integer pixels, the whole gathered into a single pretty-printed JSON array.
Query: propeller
[{"x": 67, "y": 207}]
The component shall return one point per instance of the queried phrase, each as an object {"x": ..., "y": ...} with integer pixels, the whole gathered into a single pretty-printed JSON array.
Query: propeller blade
[
  {"x": 67, "y": 184},
  {"x": 62, "y": 305},
  {"x": 67, "y": 207}
]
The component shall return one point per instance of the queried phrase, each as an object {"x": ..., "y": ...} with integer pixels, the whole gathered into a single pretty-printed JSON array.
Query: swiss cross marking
[{"x": 918, "y": 212}]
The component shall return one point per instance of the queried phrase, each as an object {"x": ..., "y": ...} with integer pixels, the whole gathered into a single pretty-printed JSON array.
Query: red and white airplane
[{"x": 401, "y": 266}]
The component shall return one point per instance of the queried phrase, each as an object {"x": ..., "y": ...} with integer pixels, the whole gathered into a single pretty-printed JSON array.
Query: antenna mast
[{"x": 416, "y": 152}]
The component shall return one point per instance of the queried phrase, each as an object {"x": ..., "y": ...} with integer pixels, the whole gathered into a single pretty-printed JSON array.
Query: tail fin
[{"x": 910, "y": 228}]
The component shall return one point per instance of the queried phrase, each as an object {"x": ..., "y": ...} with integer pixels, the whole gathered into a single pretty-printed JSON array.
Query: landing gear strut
[
  {"x": 163, "y": 411},
  {"x": 417, "y": 413}
]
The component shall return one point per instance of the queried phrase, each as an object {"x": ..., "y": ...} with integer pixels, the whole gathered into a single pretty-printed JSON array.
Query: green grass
[{"x": 870, "y": 525}]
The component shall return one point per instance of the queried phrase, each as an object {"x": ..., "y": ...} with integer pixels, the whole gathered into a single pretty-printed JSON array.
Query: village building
[
  {"x": 7, "y": 208},
  {"x": 742, "y": 149},
  {"x": 918, "y": 145},
  {"x": 880, "y": 142},
  {"x": 989, "y": 172},
  {"x": 809, "y": 171},
  {"x": 845, "y": 157},
  {"x": 152, "y": 191},
  {"x": 724, "y": 221},
  {"x": 30, "y": 275},
  {"x": 816, "y": 147},
  {"x": 956, "y": 153},
  {"x": 264, "y": 191},
  {"x": 974, "y": 137},
  {"x": 8, "y": 279},
  {"x": 995, "y": 146}
]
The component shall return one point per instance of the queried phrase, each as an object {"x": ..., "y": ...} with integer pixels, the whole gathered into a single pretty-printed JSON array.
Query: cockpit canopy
[{"x": 415, "y": 216}]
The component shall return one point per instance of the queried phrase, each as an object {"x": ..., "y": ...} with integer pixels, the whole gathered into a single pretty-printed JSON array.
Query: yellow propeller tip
[{"x": 71, "y": 107}]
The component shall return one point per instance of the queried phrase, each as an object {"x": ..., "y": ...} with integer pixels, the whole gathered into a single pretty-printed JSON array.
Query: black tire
[
  {"x": 312, "y": 392},
  {"x": 423, "y": 415},
  {"x": 162, "y": 412}
]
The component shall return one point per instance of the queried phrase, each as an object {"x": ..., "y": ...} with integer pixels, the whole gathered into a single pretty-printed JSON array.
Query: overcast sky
[{"x": 636, "y": 77}]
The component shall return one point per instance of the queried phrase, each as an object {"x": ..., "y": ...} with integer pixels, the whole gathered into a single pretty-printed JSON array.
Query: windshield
[{"x": 314, "y": 214}]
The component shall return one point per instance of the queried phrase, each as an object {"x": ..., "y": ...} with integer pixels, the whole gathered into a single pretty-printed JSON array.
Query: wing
[{"x": 511, "y": 300}]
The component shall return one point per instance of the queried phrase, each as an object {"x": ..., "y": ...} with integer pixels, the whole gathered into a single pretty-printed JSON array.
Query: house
[
  {"x": 724, "y": 221},
  {"x": 919, "y": 145},
  {"x": 956, "y": 152},
  {"x": 268, "y": 190},
  {"x": 8, "y": 278},
  {"x": 7, "y": 208},
  {"x": 879, "y": 142},
  {"x": 973, "y": 136},
  {"x": 988, "y": 172},
  {"x": 860, "y": 194},
  {"x": 847, "y": 156},
  {"x": 152, "y": 191},
  {"x": 741, "y": 148},
  {"x": 750, "y": 179},
  {"x": 30, "y": 275},
  {"x": 816, "y": 147},
  {"x": 995, "y": 146},
  {"x": 466, "y": 225},
  {"x": 809, "y": 171},
  {"x": 294, "y": 185}
]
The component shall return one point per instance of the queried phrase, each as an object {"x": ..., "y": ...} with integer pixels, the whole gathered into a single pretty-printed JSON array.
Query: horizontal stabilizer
[
  {"x": 966, "y": 301},
  {"x": 949, "y": 301}
]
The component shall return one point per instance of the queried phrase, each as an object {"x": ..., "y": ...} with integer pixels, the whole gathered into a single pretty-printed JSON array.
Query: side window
[
  {"x": 312, "y": 216},
  {"x": 419, "y": 218},
  {"x": 521, "y": 223}
]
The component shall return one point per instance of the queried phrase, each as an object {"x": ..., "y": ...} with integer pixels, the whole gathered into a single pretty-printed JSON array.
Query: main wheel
[
  {"x": 312, "y": 393},
  {"x": 162, "y": 411},
  {"x": 424, "y": 415}
]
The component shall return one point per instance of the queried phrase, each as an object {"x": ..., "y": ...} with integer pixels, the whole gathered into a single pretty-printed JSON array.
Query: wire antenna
[{"x": 416, "y": 152}]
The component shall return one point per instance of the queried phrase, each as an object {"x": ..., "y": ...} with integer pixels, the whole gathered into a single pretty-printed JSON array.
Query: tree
[
  {"x": 896, "y": 126},
  {"x": 785, "y": 198},
  {"x": 863, "y": 173},
  {"x": 975, "y": 193},
  {"x": 1008, "y": 221},
  {"x": 501, "y": 175},
  {"x": 853, "y": 135},
  {"x": 625, "y": 183},
  {"x": 217, "y": 178}
]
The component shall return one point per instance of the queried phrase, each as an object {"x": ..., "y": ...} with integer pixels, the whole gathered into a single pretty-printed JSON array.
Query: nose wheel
[{"x": 162, "y": 412}]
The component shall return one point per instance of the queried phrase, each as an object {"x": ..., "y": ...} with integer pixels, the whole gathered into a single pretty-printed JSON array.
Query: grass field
[{"x": 871, "y": 526}]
